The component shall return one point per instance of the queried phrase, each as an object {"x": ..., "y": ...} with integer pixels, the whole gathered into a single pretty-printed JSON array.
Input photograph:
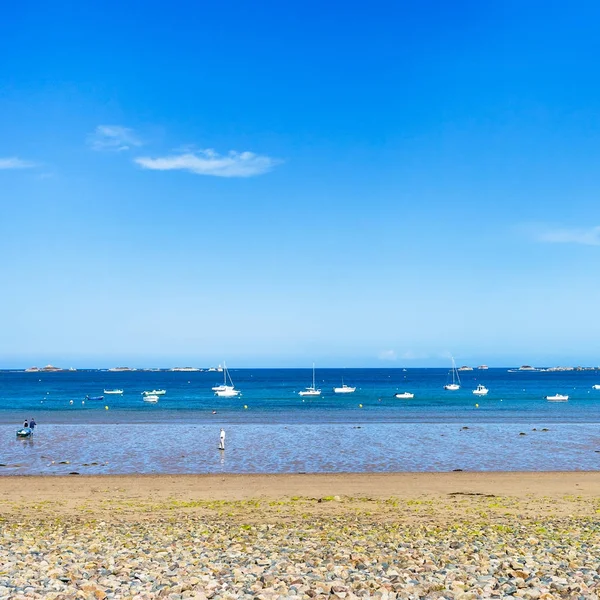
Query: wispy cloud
[
  {"x": 209, "y": 162},
  {"x": 388, "y": 355},
  {"x": 589, "y": 236},
  {"x": 113, "y": 138},
  {"x": 15, "y": 163}
]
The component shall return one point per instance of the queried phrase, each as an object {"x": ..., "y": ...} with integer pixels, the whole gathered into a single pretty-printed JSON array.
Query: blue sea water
[{"x": 270, "y": 428}]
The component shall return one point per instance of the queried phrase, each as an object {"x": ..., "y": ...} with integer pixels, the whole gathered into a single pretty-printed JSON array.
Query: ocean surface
[{"x": 271, "y": 429}]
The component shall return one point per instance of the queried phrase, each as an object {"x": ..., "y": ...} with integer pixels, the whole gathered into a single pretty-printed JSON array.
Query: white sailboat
[
  {"x": 226, "y": 390},
  {"x": 154, "y": 393},
  {"x": 455, "y": 385},
  {"x": 312, "y": 390}
]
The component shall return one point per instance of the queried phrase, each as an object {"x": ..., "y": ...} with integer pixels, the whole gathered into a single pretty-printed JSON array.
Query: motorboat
[
  {"x": 455, "y": 385},
  {"x": 155, "y": 393},
  {"x": 480, "y": 390},
  {"x": 557, "y": 398},
  {"x": 114, "y": 392},
  {"x": 344, "y": 389},
  {"x": 151, "y": 398},
  {"x": 596, "y": 387},
  {"x": 24, "y": 432},
  {"x": 311, "y": 390},
  {"x": 227, "y": 390},
  {"x": 404, "y": 395},
  {"x": 465, "y": 368},
  {"x": 483, "y": 367},
  {"x": 94, "y": 397}
]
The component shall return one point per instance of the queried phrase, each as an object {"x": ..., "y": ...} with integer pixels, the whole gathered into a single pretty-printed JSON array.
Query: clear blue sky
[{"x": 272, "y": 183}]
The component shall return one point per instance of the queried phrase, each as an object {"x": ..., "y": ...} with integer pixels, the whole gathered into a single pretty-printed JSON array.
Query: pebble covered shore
[{"x": 330, "y": 547}]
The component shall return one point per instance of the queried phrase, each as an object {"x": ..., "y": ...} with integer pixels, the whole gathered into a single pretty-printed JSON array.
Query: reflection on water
[{"x": 273, "y": 448}]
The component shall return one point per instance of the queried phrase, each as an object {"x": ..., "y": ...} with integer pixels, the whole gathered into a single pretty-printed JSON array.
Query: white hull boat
[
  {"x": 344, "y": 389},
  {"x": 480, "y": 390},
  {"x": 312, "y": 390},
  {"x": 596, "y": 387},
  {"x": 113, "y": 392},
  {"x": 557, "y": 398},
  {"x": 227, "y": 390},
  {"x": 155, "y": 393},
  {"x": 152, "y": 398},
  {"x": 404, "y": 395},
  {"x": 228, "y": 393},
  {"x": 455, "y": 385}
]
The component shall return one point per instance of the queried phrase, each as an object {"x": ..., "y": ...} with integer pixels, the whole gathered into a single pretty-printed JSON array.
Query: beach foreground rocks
[{"x": 301, "y": 548}]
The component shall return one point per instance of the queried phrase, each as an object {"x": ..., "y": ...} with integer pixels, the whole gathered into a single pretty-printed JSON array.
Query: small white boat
[
  {"x": 345, "y": 389},
  {"x": 114, "y": 392},
  {"x": 155, "y": 393},
  {"x": 455, "y": 385},
  {"x": 151, "y": 398},
  {"x": 226, "y": 390},
  {"x": 596, "y": 387},
  {"x": 404, "y": 395},
  {"x": 465, "y": 368},
  {"x": 312, "y": 390},
  {"x": 557, "y": 398},
  {"x": 480, "y": 390}
]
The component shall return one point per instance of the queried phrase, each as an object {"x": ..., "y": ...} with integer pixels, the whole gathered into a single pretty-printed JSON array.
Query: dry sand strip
[
  {"x": 457, "y": 536},
  {"x": 78, "y": 488}
]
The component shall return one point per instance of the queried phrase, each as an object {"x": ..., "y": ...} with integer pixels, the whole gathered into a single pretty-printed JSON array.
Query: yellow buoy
[
  {"x": 360, "y": 406},
  {"x": 106, "y": 408},
  {"x": 245, "y": 406},
  {"x": 477, "y": 406}
]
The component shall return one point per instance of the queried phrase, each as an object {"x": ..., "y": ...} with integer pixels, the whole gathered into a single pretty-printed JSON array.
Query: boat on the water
[
  {"x": 455, "y": 384},
  {"x": 227, "y": 390},
  {"x": 465, "y": 368},
  {"x": 480, "y": 390},
  {"x": 154, "y": 393},
  {"x": 151, "y": 398},
  {"x": 404, "y": 395},
  {"x": 344, "y": 389},
  {"x": 596, "y": 387},
  {"x": 113, "y": 392},
  {"x": 24, "y": 432},
  {"x": 557, "y": 398},
  {"x": 311, "y": 390},
  {"x": 94, "y": 397}
]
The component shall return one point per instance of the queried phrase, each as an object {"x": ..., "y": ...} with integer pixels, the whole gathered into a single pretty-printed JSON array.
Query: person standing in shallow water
[
  {"x": 222, "y": 440},
  {"x": 32, "y": 423}
]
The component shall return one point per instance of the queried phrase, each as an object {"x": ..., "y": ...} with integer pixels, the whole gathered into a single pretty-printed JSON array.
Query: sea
[{"x": 271, "y": 429}]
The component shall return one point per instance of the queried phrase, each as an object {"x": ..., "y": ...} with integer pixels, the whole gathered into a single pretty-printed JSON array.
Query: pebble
[{"x": 343, "y": 555}]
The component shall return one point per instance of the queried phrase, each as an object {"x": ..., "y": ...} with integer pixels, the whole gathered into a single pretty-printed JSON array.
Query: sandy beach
[{"x": 446, "y": 535}]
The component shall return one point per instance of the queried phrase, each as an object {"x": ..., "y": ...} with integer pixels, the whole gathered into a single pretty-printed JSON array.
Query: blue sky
[{"x": 377, "y": 184}]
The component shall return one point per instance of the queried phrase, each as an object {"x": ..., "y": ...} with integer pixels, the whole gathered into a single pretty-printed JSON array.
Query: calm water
[{"x": 271, "y": 429}]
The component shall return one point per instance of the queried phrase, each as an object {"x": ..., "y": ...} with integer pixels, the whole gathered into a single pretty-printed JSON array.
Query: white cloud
[
  {"x": 209, "y": 162},
  {"x": 113, "y": 138},
  {"x": 387, "y": 355},
  {"x": 588, "y": 236},
  {"x": 15, "y": 163}
]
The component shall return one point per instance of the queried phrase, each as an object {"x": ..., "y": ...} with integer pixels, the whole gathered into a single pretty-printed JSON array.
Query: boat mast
[{"x": 313, "y": 376}]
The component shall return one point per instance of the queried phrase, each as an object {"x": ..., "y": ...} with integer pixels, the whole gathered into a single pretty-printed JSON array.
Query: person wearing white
[{"x": 222, "y": 440}]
